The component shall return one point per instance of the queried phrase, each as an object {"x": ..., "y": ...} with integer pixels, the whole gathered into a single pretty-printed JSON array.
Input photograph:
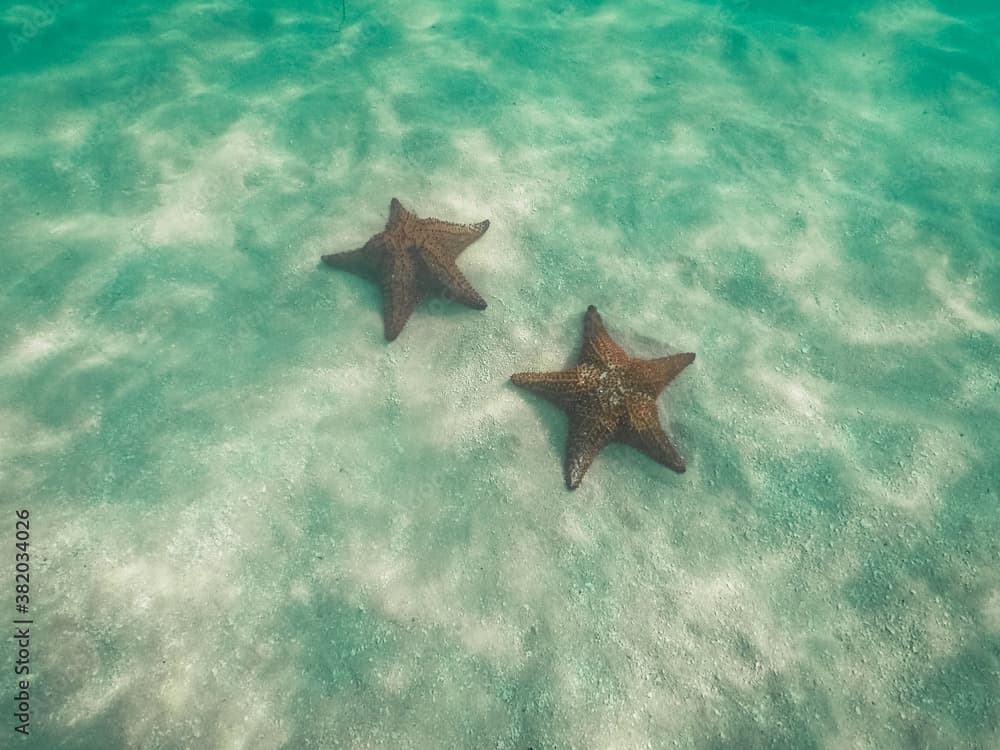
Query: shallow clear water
[{"x": 255, "y": 524}]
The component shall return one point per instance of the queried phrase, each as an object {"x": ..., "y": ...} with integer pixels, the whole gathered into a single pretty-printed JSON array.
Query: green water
[{"x": 255, "y": 524}]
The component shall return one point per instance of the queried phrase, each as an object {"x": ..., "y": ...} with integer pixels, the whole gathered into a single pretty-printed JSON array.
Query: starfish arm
[
  {"x": 450, "y": 239},
  {"x": 598, "y": 347},
  {"x": 652, "y": 375},
  {"x": 365, "y": 261},
  {"x": 641, "y": 430},
  {"x": 397, "y": 213},
  {"x": 400, "y": 293},
  {"x": 559, "y": 388},
  {"x": 587, "y": 437},
  {"x": 453, "y": 284}
]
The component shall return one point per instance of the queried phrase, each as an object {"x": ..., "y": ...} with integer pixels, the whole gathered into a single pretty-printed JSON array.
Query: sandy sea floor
[{"x": 255, "y": 524}]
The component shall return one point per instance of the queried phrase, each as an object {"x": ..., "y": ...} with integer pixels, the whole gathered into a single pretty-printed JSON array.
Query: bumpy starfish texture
[
  {"x": 609, "y": 397},
  {"x": 413, "y": 258}
]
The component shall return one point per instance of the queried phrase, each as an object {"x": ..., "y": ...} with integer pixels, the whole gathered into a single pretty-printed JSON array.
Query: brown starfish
[
  {"x": 609, "y": 396},
  {"x": 413, "y": 258}
]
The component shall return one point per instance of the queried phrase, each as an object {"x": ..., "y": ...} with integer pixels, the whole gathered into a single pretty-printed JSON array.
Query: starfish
[
  {"x": 413, "y": 258},
  {"x": 609, "y": 397}
]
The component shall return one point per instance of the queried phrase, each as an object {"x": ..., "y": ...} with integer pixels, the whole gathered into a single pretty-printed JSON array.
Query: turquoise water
[{"x": 255, "y": 524}]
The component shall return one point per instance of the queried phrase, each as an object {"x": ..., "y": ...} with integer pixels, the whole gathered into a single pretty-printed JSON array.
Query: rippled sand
[{"x": 257, "y": 525}]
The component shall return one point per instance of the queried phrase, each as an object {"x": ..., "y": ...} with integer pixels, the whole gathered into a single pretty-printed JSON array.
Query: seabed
[{"x": 256, "y": 524}]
